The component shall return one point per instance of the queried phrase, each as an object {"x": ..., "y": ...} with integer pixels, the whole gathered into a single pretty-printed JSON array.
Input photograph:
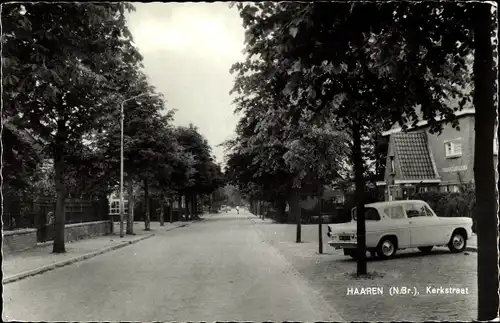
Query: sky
[{"x": 188, "y": 49}]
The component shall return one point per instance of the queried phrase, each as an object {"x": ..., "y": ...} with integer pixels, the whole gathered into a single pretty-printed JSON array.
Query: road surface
[{"x": 217, "y": 269}]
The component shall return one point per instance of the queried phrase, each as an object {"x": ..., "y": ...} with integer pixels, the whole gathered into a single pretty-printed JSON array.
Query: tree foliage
[
  {"x": 64, "y": 83},
  {"x": 369, "y": 63}
]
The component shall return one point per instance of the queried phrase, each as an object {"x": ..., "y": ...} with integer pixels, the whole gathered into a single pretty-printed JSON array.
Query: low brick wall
[
  {"x": 24, "y": 239},
  {"x": 18, "y": 240},
  {"x": 79, "y": 231}
]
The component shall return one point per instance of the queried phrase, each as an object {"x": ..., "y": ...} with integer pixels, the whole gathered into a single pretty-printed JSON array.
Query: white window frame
[
  {"x": 423, "y": 189},
  {"x": 114, "y": 207},
  {"x": 455, "y": 148}
]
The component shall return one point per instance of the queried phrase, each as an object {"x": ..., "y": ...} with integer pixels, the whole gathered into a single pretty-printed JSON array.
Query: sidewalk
[{"x": 20, "y": 265}]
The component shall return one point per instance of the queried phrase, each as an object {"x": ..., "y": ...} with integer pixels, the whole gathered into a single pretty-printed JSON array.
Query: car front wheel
[
  {"x": 458, "y": 242},
  {"x": 386, "y": 248}
]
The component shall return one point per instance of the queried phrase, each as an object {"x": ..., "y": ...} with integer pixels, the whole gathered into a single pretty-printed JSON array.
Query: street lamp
[{"x": 122, "y": 206}]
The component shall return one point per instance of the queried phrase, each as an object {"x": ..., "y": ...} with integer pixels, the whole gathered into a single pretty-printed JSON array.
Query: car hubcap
[
  {"x": 387, "y": 248},
  {"x": 458, "y": 241}
]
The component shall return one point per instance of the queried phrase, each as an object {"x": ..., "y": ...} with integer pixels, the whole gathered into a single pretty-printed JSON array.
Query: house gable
[{"x": 411, "y": 158}]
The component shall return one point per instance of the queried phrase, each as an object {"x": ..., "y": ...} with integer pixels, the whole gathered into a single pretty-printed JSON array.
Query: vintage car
[{"x": 400, "y": 225}]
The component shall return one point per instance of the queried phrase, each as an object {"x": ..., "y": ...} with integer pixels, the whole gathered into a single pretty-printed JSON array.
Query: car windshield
[{"x": 371, "y": 214}]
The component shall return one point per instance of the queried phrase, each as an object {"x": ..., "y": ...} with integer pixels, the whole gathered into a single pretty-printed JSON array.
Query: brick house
[{"x": 419, "y": 160}]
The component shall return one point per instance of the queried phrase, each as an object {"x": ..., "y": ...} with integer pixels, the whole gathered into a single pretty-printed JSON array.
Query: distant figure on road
[{"x": 237, "y": 209}]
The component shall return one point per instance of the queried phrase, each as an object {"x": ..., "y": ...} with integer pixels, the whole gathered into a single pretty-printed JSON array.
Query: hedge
[{"x": 451, "y": 204}]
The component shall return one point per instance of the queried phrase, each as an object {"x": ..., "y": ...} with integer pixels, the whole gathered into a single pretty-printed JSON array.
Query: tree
[
  {"x": 282, "y": 124},
  {"x": 206, "y": 176},
  {"x": 57, "y": 69},
  {"x": 151, "y": 151},
  {"x": 485, "y": 71},
  {"x": 272, "y": 185},
  {"x": 22, "y": 156},
  {"x": 346, "y": 79},
  {"x": 417, "y": 50}
]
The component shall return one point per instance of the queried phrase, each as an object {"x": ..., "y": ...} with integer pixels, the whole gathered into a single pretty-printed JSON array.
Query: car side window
[
  {"x": 395, "y": 212},
  {"x": 415, "y": 210},
  {"x": 371, "y": 214}
]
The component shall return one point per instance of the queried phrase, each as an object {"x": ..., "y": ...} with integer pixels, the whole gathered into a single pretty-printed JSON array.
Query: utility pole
[{"x": 320, "y": 226}]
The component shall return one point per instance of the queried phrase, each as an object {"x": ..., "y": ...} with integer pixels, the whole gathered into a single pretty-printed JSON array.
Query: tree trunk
[
  {"x": 60, "y": 217},
  {"x": 180, "y": 207},
  {"x": 484, "y": 169},
  {"x": 131, "y": 204},
  {"x": 192, "y": 207},
  {"x": 360, "y": 205},
  {"x": 162, "y": 210},
  {"x": 320, "y": 225},
  {"x": 170, "y": 206},
  {"x": 280, "y": 210},
  {"x": 210, "y": 199},
  {"x": 146, "y": 203},
  {"x": 195, "y": 205},
  {"x": 296, "y": 212},
  {"x": 186, "y": 206}
]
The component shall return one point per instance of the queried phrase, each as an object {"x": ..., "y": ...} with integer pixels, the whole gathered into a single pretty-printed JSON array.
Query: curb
[
  {"x": 179, "y": 226},
  {"x": 70, "y": 261}
]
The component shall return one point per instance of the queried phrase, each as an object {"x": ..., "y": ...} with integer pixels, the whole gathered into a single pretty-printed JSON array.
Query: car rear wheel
[
  {"x": 386, "y": 248},
  {"x": 351, "y": 253},
  {"x": 458, "y": 242},
  {"x": 425, "y": 249}
]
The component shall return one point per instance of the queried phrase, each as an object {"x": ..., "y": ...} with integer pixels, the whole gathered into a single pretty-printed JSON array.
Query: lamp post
[{"x": 122, "y": 206}]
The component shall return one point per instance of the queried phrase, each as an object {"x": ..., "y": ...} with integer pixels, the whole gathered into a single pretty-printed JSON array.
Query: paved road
[{"x": 218, "y": 269}]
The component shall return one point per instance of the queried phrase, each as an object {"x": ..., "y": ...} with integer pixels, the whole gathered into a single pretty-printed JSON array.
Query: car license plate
[{"x": 344, "y": 238}]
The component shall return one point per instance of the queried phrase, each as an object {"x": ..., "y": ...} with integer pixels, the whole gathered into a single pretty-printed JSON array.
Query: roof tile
[{"x": 413, "y": 154}]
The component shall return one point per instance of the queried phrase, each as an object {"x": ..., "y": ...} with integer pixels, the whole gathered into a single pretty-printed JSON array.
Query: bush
[{"x": 451, "y": 204}]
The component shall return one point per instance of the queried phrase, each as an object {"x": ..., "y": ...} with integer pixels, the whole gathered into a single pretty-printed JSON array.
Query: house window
[
  {"x": 452, "y": 149},
  {"x": 453, "y": 188},
  {"x": 114, "y": 207},
  {"x": 392, "y": 165}
]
